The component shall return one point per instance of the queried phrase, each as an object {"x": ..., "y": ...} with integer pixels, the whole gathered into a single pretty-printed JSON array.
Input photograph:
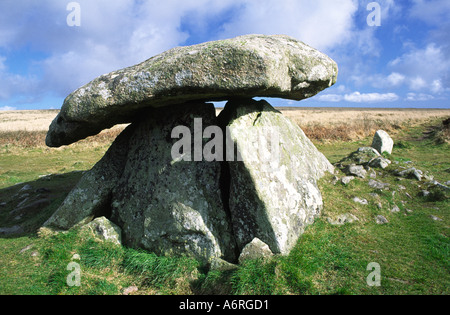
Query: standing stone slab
[
  {"x": 273, "y": 189},
  {"x": 382, "y": 142},
  {"x": 167, "y": 206},
  {"x": 91, "y": 197}
]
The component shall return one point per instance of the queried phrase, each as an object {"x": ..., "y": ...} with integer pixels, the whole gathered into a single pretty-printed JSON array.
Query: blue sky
[{"x": 404, "y": 62}]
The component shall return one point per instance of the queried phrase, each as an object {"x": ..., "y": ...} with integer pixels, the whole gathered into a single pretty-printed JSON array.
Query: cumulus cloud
[
  {"x": 120, "y": 33},
  {"x": 5, "y": 108},
  {"x": 12, "y": 84},
  {"x": 322, "y": 23},
  {"x": 414, "y": 97},
  {"x": 423, "y": 68},
  {"x": 358, "y": 97}
]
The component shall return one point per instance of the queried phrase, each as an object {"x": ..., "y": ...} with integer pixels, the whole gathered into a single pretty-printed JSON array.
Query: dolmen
[{"x": 180, "y": 180}]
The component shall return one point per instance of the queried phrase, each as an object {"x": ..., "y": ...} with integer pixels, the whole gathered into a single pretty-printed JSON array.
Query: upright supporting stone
[
  {"x": 172, "y": 206},
  {"x": 273, "y": 189},
  {"x": 382, "y": 142}
]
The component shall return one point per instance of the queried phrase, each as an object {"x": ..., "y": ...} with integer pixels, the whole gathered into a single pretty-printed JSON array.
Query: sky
[{"x": 390, "y": 53}]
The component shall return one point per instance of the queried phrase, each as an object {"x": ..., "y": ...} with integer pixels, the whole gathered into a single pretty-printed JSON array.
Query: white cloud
[
  {"x": 335, "y": 98},
  {"x": 417, "y": 83},
  {"x": 434, "y": 12},
  {"x": 423, "y": 69},
  {"x": 413, "y": 97},
  {"x": 321, "y": 23},
  {"x": 395, "y": 79},
  {"x": 5, "y": 108},
  {"x": 358, "y": 97},
  {"x": 120, "y": 33},
  {"x": 11, "y": 84}
]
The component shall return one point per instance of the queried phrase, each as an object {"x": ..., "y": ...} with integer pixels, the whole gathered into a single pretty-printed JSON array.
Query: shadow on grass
[{"x": 25, "y": 207}]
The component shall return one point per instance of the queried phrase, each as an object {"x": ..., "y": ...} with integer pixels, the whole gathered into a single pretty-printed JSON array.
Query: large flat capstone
[{"x": 245, "y": 66}]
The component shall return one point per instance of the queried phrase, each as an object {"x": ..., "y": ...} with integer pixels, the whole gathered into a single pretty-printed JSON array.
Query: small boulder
[
  {"x": 377, "y": 185},
  {"x": 362, "y": 156},
  {"x": 395, "y": 208},
  {"x": 379, "y": 219},
  {"x": 382, "y": 142},
  {"x": 379, "y": 162},
  {"x": 343, "y": 219},
  {"x": 347, "y": 179},
  {"x": 360, "y": 201},
  {"x": 355, "y": 170},
  {"x": 104, "y": 230},
  {"x": 254, "y": 250},
  {"x": 435, "y": 218},
  {"x": 410, "y": 173}
]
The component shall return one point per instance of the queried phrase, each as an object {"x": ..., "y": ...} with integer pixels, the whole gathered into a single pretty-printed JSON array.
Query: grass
[{"x": 412, "y": 249}]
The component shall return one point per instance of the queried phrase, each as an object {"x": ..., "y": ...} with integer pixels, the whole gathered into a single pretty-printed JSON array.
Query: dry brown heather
[
  {"x": 28, "y": 128},
  {"x": 357, "y": 123}
]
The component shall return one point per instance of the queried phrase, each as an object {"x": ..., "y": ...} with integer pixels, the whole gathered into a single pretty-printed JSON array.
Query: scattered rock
[
  {"x": 25, "y": 249},
  {"x": 382, "y": 142},
  {"x": 222, "y": 265},
  {"x": 379, "y": 219},
  {"x": 362, "y": 156},
  {"x": 424, "y": 193},
  {"x": 361, "y": 201},
  {"x": 342, "y": 219},
  {"x": 104, "y": 230},
  {"x": 438, "y": 185},
  {"x": 355, "y": 170},
  {"x": 256, "y": 249},
  {"x": 377, "y": 185},
  {"x": 379, "y": 162},
  {"x": 435, "y": 218},
  {"x": 410, "y": 173},
  {"x": 129, "y": 290},
  {"x": 347, "y": 179},
  {"x": 395, "y": 208}
]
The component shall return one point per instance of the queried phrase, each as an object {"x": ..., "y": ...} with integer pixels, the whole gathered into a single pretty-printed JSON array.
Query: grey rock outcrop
[
  {"x": 246, "y": 66},
  {"x": 273, "y": 190},
  {"x": 363, "y": 156}
]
